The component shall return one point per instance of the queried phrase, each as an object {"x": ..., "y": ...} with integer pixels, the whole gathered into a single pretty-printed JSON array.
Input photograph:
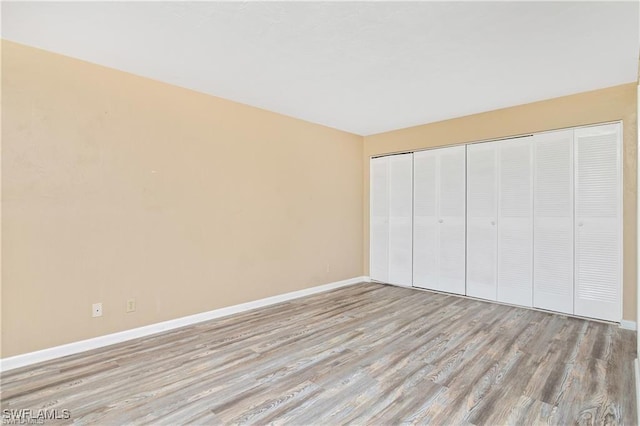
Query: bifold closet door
[
  {"x": 452, "y": 218},
  {"x": 379, "y": 219},
  {"x": 439, "y": 219},
  {"x": 391, "y": 214},
  {"x": 515, "y": 221},
  {"x": 425, "y": 220},
  {"x": 598, "y": 222},
  {"x": 553, "y": 221},
  {"x": 482, "y": 204},
  {"x": 401, "y": 219}
]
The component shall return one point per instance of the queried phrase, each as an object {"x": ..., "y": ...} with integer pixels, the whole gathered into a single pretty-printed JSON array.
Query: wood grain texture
[{"x": 368, "y": 353}]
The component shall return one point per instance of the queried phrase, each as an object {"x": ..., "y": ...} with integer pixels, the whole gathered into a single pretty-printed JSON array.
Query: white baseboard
[
  {"x": 628, "y": 325},
  {"x": 637, "y": 371},
  {"x": 110, "y": 339}
]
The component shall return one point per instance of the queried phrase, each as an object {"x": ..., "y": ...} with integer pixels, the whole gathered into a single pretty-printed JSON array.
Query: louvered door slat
[
  {"x": 553, "y": 221},
  {"x": 598, "y": 222}
]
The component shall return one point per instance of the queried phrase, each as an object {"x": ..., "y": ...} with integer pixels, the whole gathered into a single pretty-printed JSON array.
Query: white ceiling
[{"x": 363, "y": 67}]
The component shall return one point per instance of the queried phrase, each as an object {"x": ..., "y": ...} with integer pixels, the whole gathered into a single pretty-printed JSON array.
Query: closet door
[
  {"x": 439, "y": 219},
  {"x": 451, "y": 218},
  {"x": 379, "y": 219},
  {"x": 482, "y": 206},
  {"x": 515, "y": 221},
  {"x": 425, "y": 220},
  {"x": 553, "y": 221},
  {"x": 401, "y": 219},
  {"x": 598, "y": 222}
]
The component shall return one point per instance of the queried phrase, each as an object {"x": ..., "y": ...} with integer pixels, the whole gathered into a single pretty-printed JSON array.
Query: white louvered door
[
  {"x": 379, "y": 223},
  {"x": 439, "y": 219},
  {"x": 451, "y": 220},
  {"x": 553, "y": 221},
  {"x": 534, "y": 221},
  {"x": 482, "y": 192},
  {"x": 401, "y": 219},
  {"x": 598, "y": 236},
  {"x": 425, "y": 220},
  {"x": 515, "y": 221}
]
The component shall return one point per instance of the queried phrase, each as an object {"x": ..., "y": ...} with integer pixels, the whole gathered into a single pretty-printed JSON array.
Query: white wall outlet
[
  {"x": 131, "y": 305},
  {"x": 96, "y": 310}
]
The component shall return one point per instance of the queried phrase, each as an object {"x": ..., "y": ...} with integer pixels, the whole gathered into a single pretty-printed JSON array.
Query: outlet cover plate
[{"x": 96, "y": 310}]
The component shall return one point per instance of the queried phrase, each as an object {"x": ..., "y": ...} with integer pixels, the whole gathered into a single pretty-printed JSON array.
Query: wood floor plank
[{"x": 362, "y": 354}]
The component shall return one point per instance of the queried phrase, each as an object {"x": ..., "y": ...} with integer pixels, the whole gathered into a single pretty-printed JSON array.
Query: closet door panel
[
  {"x": 451, "y": 222},
  {"x": 598, "y": 222},
  {"x": 481, "y": 220},
  {"x": 425, "y": 226},
  {"x": 515, "y": 221},
  {"x": 379, "y": 223},
  {"x": 553, "y": 221},
  {"x": 400, "y": 219}
]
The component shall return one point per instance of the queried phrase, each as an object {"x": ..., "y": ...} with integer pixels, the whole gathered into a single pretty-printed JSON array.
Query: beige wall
[
  {"x": 116, "y": 186},
  {"x": 615, "y": 103}
]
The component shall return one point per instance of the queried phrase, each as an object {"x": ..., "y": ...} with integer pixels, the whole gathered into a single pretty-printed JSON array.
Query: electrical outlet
[
  {"x": 96, "y": 310},
  {"x": 131, "y": 305}
]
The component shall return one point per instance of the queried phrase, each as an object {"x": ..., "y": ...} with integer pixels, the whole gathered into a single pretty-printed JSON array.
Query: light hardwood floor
[{"x": 367, "y": 353}]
